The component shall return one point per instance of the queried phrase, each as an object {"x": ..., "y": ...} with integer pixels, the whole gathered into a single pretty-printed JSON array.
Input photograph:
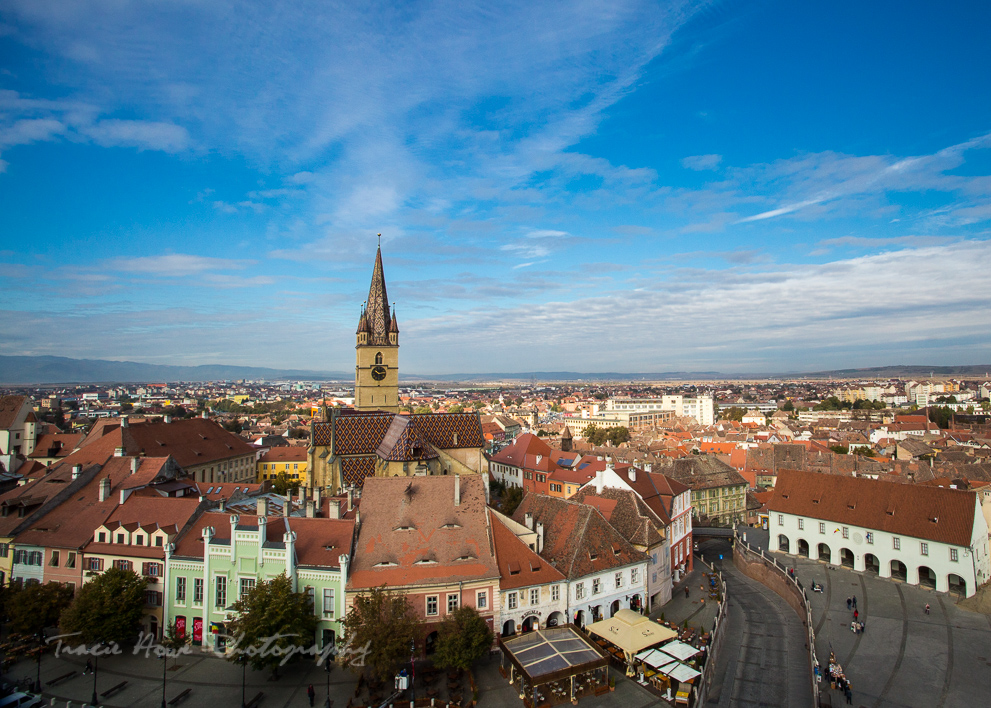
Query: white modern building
[
  {"x": 922, "y": 535},
  {"x": 701, "y": 408}
]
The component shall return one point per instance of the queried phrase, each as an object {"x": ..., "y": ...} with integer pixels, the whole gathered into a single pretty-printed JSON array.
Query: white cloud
[
  {"x": 175, "y": 264},
  {"x": 701, "y": 162},
  {"x": 145, "y": 135}
]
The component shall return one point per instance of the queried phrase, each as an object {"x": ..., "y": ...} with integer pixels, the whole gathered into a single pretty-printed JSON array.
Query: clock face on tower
[{"x": 379, "y": 372}]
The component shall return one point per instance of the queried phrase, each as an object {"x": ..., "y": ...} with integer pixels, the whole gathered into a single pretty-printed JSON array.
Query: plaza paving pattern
[{"x": 904, "y": 657}]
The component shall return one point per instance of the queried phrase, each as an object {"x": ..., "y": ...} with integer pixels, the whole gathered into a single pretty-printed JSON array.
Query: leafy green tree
[
  {"x": 456, "y": 408},
  {"x": 423, "y": 409},
  {"x": 840, "y": 449},
  {"x": 866, "y": 452},
  {"x": 463, "y": 639},
  {"x": 478, "y": 405},
  {"x": 173, "y": 641},
  {"x": 270, "y": 609},
  {"x": 282, "y": 485},
  {"x": 107, "y": 609},
  {"x": 735, "y": 413},
  {"x": 788, "y": 407},
  {"x": 32, "y": 608},
  {"x": 617, "y": 435},
  {"x": 379, "y": 631},
  {"x": 941, "y": 416},
  {"x": 511, "y": 499}
]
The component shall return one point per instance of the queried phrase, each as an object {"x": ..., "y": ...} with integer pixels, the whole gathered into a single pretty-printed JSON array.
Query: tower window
[{"x": 378, "y": 358}]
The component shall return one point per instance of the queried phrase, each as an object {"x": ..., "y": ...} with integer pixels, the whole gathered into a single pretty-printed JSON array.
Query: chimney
[
  {"x": 310, "y": 509},
  {"x": 124, "y": 423},
  {"x": 633, "y": 474},
  {"x": 204, "y": 415},
  {"x": 104, "y": 489},
  {"x": 167, "y": 419},
  {"x": 648, "y": 467},
  {"x": 223, "y": 505},
  {"x": 350, "y": 497},
  {"x": 262, "y": 506},
  {"x": 119, "y": 451},
  {"x": 262, "y": 537},
  {"x": 528, "y": 520},
  {"x": 135, "y": 463},
  {"x": 540, "y": 537},
  {"x": 333, "y": 508},
  {"x": 600, "y": 481},
  {"x": 76, "y": 471},
  {"x": 317, "y": 494},
  {"x": 287, "y": 504},
  {"x": 457, "y": 490}
]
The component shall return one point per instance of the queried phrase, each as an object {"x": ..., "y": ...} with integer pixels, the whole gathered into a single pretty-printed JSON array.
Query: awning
[
  {"x": 631, "y": 631},
  {"x": 680, "y": 672},
  {"x": 679, "y": 650}
]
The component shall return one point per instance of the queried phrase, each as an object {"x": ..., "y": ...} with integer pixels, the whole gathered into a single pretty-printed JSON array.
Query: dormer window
[
  {"x": 101, "y": 537},
  {"x": 592, "y": 555},
  {"x": 465, "y": 558},
  {"x": 451, "y": 526},
  {"x": 386, "y": 564},
  {"x": 406, "y": 528},
  {"x": 426, "y": 561}
]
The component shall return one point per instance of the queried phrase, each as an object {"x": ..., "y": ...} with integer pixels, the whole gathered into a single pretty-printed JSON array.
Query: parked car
[{"x": 21, "y": 700}]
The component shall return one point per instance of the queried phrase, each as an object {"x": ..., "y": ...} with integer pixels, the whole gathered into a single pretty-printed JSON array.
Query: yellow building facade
[{"x": 293, "y": 461}]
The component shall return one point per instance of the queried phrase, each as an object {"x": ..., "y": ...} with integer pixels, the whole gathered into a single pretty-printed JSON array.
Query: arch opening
[
  {"x": 824, "y": 554},
  {"x": 784, "y": 545},
  {"x": 899, "y": 571}
]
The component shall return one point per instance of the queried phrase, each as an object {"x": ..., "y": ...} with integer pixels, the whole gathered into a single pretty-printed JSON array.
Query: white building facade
[{"x": 601, "y": 595}]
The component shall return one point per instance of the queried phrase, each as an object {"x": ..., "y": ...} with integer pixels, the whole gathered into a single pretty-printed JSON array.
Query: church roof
[
  {"x": 377, "y": 308},
  {"x": 403, "y": 442}
]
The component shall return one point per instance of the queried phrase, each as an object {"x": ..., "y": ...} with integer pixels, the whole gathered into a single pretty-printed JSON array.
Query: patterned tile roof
[
  {"x": 354, "y": 470},
  {"x": 403, "y": 442},
  {"x": 360, "y": 434},
  {"x": 450, "y": 430}
]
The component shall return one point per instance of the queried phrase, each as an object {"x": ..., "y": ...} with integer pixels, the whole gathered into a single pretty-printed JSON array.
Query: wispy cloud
[
  {"x": 175, "y": 264},
  {"x": 701, "y": 162}
]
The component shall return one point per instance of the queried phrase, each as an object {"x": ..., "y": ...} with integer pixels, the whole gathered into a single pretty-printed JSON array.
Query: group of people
[
  {"x": 857, "y": 627},
  {"x": 837, "y": 679}
]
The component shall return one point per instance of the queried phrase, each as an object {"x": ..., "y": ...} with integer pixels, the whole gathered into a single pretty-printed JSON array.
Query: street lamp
[
  {"x": 41, "y": 643},
  {"x": 165, "y": 666},
  {"x": 96, "y": 668},
  {"x": 244, "y": 670},
  {"x": 326, "y": 666}
]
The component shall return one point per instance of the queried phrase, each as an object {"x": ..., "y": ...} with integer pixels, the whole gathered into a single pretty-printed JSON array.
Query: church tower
[{"x": 376, "y": 373}]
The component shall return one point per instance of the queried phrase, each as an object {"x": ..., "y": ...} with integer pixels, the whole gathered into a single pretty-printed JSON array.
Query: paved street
[{"x": 904, "y": 657}]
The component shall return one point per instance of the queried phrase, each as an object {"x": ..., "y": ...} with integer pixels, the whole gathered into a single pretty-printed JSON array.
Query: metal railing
[{"x": 771, "y": 562}]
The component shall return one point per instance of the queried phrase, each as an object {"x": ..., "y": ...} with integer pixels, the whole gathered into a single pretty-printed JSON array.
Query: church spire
[{"x": 377, "y": 309}]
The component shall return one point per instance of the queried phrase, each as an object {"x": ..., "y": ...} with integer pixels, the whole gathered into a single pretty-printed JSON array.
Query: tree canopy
[
  {"x": 32, "y": 608},
  {"x": 511, "y": 499},
  {"x": 463, "y": 638},
  {"x": 107, "y": 608},
  {"x": 600, "y": 436},
  {"x": 282, "y": 484},
  {"x": 735, "y": 413},
  {"x": 379, "y": 632}
]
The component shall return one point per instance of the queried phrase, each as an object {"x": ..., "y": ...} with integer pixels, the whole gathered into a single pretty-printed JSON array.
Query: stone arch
[
  {"x": 846, "y": 558},
  {"x": 899, "y": 571},
  {"x": 956, "y": 585},
  {"x": 529, "y": 624},
  {"x": 872, "y": 564},
  {"x": 784, "y": 545},
  {"x": 823, "y": 553},
  {"x": 927, "y": 577},
  {"x": 803, "y": 547},
  {"x": 378, "y": 358},
  {"x": 555, "y": 619},
  {"x": 614, "y": 608},
  {"x": 508, "y": 628}
]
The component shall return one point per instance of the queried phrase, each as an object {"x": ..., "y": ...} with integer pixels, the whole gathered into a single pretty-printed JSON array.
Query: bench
[
  {"x": 181, "y": 697},
  {"x": 114, "y": 689},
  {"x": 59, "y": 679},
  {"x": 253, "y": 703}
]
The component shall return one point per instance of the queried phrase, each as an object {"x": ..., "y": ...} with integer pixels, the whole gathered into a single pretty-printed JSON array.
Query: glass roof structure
[{"x": 551, "y": 654}]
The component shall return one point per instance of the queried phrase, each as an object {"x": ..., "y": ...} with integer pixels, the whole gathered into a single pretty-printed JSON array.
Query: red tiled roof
[
  {"x": 57, "y": 445},
  {"x": 284, "y": 454},
  {"x": 518, "y": 565},
  {"x": 932, "y": 513},
  {"x": 10, "y": 406},
  {"x": 321, "y": 542}
]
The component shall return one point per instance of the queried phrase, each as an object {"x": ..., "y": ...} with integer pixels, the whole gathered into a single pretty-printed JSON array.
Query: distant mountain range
[{"x": 63, "y": 370}]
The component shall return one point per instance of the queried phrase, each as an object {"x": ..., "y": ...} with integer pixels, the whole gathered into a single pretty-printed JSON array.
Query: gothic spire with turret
[{"x": 377, "y": 316}]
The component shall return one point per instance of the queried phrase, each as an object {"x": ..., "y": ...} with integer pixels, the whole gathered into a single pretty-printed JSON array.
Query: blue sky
[{"x": 586, "y": 186}]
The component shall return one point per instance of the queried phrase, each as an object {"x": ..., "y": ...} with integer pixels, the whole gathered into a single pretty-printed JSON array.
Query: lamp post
[
  {"x": 244, "y": 671},
  {"x": 326, "y": 666},
  {"x": 96, "y": 668},
  {"x": 412, "y": 666},
  {"x": 165, "y": 666},
  {"x": 41, "y": 643}
]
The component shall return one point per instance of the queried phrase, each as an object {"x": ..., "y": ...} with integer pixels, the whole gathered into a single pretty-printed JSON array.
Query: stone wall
[{"x": 765, "y": 573}]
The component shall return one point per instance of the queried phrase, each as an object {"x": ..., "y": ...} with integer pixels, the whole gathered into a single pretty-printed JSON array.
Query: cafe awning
[
  {"x": 631, "y": 631},
  {"x": 679, "y": 650}
]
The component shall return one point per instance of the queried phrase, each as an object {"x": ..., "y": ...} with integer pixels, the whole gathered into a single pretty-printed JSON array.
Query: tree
[
  {"x": 107, "y": 609},
  {"x": 173, "y": 641},
  {"x": 270, "y": 609},
  {"x": 735, "y": 413},
  {"x": 379, "y": 631},
  {"x": 456, "y": 408},
  {"x": 32, "y": 608},
  {"x": 840, "y": 449},
  {"x": 282, "y": 485},
  {"x": 422, "y": 409},
  {"x": 463, "y": 639},
  {"x": 478, "y": 405},
  {"x": 788, "y": 407},
  {"x": 617, "y": 435},
  {"x": 941, "y": 416},
  {"x": 511, "y": 499}
]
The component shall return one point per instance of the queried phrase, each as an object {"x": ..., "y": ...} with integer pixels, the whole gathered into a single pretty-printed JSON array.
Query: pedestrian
[
  {"x": 849, "y": 695},
  {"x": 854, "y": 602},
  {"x": 927, "y": 608},
  {"x": 849, "y": 603},
  {"x": 686, "y": 592},
  {"x": 89, "y": 667},
  {"x": 311, "y": 693},
  {"x": 856, "y": 615}
]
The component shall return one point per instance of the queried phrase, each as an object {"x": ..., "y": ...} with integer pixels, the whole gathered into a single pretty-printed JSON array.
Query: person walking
[
  {"x": 856, "y": 615},
  {"x": 311, "y": 693},
  {"x": 89, "y": 667},
  {"x": 927, "y": 608},
  {"x": 849, "y": 695},
  {"x": 854, "y": 602},
  {"x": 849, "y": 603}
]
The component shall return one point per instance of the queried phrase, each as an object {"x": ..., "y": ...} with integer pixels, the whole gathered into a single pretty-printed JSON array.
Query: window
[
  {"x": 801, "y": 524},
  {"x": 619, "y": 580},
  {"x": 846, "y": 532},
  {"x": 870, "y": 537},
  {"x": 120, "y": 538},
  {"x": 954, "y": 555},
  {"x": 247, "y": 584},
  {"x": 329, "y": 606},
  {"x": 432, "y": 606},
  {"x": 158, "y": 540},
  {"x": 311, "y": 596},
  {"x": 482, "y": 600},
  {"x": 924, "y": 548},
  {"x": 534, "y": 596},
  {"x": 822, "y": 527},
  {"x": 152, "y": 569},
  {"x": 94, "y": 564},
  {"x": 580, "y": 590},
  {"x": 4, "y": 550},
  {"x": 555, "y": 487},
  {"x": 53, "y": 561},
  {"x": 102, "y": 537},
  {"x": 896, "y": 543},
  {"x": 70, "y": 559},
  {"x": 781, "y": 519},
  {"x": 153, "y": 598},
  {"x": 555, "y": 593},
  {"x": 452, "y": 603},
  {"x": 197, "y": 591},
  {"x": 121, "y": 564},
  {"x": 596, "y": 586},
  {"x": 220, "y": 597},
  {"x": 635, "y": 572},
  {"x": 180, "y": 590},
  {"x": 511, "y": 601}
]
